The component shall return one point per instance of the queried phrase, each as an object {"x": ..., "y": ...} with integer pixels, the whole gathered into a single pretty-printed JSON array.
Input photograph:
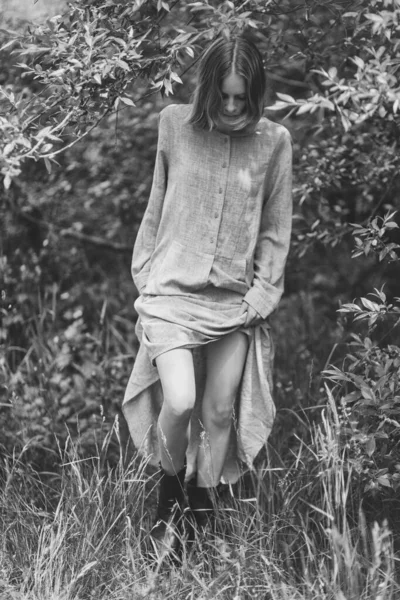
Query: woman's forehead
[{"x": 233, "y": 84}]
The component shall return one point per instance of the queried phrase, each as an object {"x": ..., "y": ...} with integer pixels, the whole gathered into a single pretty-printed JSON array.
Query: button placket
[
  {"x": 225, "y": 162},
  {"x": 221, "y": 191},
  {"x": 219, "y": 197}
]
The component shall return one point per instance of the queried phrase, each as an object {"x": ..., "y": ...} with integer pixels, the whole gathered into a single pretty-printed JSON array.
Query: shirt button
[
  {"x": 220, "y": 191},
  {"x": 212, "y": 240},
  {"x": 216, "y": 215},
  {"x": 224, "y": 166}
]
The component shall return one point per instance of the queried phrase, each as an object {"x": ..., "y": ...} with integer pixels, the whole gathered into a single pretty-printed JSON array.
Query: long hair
[{"x": 223, "y": 57}]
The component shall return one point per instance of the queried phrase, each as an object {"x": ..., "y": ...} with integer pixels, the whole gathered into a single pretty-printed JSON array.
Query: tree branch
[
  {"x": 71, "y": 233},
  {"x": 96, "y": 241},
  {"x": 286, "y": 80}
]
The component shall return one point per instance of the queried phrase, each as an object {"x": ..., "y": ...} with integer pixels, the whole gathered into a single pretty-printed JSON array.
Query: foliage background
[{"x": 77, "y": 168}]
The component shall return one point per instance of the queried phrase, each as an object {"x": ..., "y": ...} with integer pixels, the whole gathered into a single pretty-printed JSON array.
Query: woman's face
[{"x": 233, "y": 91}]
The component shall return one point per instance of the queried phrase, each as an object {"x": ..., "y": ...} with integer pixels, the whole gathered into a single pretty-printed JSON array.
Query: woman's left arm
[{"x": 274, "y": 236}]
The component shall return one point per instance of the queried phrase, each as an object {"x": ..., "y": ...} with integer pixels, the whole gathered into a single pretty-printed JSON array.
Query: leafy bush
[
  {"x": 368, "y": 392},
  {"x": 78, "y": 122}
]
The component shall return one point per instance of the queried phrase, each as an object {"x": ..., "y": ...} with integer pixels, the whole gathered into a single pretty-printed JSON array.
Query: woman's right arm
[{"x": 146, "y": 237}]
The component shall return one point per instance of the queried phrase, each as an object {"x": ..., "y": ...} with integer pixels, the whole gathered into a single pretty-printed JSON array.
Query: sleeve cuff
[
  {"x": 264, "y": 302},
  {"x": 140, "y": 281}
]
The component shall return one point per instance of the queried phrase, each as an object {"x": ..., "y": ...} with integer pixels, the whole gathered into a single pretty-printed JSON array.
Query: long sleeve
[
  {"x": 146, "y": 237},
  {"x": 274, "y": 236}
]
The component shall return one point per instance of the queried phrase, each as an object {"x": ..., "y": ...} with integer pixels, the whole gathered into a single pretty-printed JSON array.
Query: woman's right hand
[{"x": 253, "y": 318}]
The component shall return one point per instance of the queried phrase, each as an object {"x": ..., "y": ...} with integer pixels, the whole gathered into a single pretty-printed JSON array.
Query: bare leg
[
  {"x": 178, "y": 383},
  {"x": 225, "y": 362}
]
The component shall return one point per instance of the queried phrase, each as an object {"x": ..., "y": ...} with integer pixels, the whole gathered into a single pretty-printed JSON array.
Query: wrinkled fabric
[
  {"x": 253, "y": 416},
  {"x": 216, "y": 232},
  {"x": 170, "y": 323},
  {"x": 219, "y": 212}
]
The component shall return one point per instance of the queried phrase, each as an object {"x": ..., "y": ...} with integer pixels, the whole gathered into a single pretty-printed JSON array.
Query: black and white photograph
[{"x": 200, "y": 300}]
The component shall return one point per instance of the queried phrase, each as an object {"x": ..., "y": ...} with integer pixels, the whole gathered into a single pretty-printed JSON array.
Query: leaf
[
  {"x": 368, "y": 343},
  {"x": 370, "y": 446},
  {"x": 157, "y": 85},
  {"x": 384, "y": 480},
  {"x": 372, "y": 320},
  {"x": 286, "y": 98},
  {"x": 8, "y": 148},
  {"x": 381, "y": 294},
  {"x": 370, "y": 305},
  {"x": 88, "y": 39},
  {"x": 7, "y": 181},
  {"x": 279, "y": 106},
  {"x": 124, "y": 65},
  {"x": 47, "y": 164},
  {"x": 383, "y": 253},
  {"x": 43, "y": 133},
  {"x": 168, "y": 86},
  {"x": 375, "y": 18},
  {"x": 304, "y": 108},
  {"x": 175, "y": 77},
  {"x": 367, "y": 393},
  {"x": 25, "y": 142},
  {"x": 7, "y": 45},
  {"x": 359, "y": 62},
  {"x": 85, "y": 569},
  {"x": 345, "y": 121},
  {"x": 349, "y": 307},
  {"x": 119, "y": 41},
  {"x": 127, "y": 101},
  {"x": 162, "y": 5}
]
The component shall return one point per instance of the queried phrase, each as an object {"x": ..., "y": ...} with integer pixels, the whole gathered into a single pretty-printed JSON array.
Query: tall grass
[
  {"x": 283, "y": 534},
  {"x": 74, "y": 523}
]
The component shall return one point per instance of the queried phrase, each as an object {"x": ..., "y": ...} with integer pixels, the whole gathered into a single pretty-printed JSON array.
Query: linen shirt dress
[{"x": 216, "y": 231}]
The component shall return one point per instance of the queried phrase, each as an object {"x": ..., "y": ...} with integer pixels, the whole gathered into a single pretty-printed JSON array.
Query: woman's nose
[{"x": 230, "y": 105}]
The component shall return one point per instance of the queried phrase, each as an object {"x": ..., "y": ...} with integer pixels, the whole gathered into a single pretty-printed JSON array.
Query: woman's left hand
[{"x": 253, "y": 318}]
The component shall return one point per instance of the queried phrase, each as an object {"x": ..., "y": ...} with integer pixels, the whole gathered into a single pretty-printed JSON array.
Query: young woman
[{"x": 209, "y": 263}]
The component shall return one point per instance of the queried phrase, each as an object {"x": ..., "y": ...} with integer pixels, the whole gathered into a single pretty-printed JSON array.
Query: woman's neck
[{"x": 226, "y": 130}]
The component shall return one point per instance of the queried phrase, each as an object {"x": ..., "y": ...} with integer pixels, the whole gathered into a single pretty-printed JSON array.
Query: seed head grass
[{"x": 282, "y": 533}]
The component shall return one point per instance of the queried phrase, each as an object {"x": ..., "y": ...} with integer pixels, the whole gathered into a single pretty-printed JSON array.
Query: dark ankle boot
[
  {"x": 201, "y": 505},
  {"x": 166, "y": 531}
]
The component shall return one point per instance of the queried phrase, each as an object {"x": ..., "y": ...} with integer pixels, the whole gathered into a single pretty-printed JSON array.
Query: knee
[
  {"x": 179, "y": 403},
  {"x": 220, "y": 410}
]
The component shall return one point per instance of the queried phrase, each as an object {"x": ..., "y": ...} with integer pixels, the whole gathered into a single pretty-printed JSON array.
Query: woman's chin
[
  {"x": 227, "y": 122},
  {"x": 230, "y": 117}
]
